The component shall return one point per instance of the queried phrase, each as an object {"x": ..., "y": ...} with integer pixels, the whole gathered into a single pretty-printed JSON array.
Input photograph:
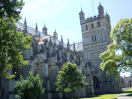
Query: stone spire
[
  {"x": 82, "y": 16},
  {"x": 44, "y": 25},
  {"x": 74, "y": 47},
  {"x": 39, "y": 34},
  {"x": 61, "y": 41},
  {"x": 74, "y": 51},
  {"x": 107, "y": 17},
  {"x": 55, "y": 35},
  {"x": 101, "y": 10},
  {"x": 50, "y": 42},
  {"x": 24, "y": 27},
  {"x": 60, "y": 45},
  {"x": 68, "y": 46},
  {"x": 36, "y": 30},
  {"x": 81, "y": 10},
  {"x": 106, "y": 13},
  {"x": 44, "y": 30}
]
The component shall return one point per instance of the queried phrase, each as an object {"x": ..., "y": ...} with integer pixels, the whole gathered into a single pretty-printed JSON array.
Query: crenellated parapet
[{"x": 90, "y": 19}]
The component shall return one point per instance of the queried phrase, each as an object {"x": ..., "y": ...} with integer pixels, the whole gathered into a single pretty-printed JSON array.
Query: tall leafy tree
[
  {"x": 69, "y": 77},
  {"x": 12, "y": 42},
  {"x": 11, "y": 8},
  {"x": 122, "y": 36},
  {"x": 30, "y": 88},
  {"x": 110, "y": 59}
]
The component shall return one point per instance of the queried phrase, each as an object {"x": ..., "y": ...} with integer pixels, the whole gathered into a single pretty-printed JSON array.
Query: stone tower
[
  {"x": 44, "y": 30},
  {"x": 55, "y": 35},
  {"x": 95, "y": 38}
]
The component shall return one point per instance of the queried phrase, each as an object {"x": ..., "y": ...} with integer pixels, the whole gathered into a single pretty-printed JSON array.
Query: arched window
[
  {"x": 95, "y": 37},
  {"x": 92, "y": 25},
  {"x": 98, "y": 24},
  {"x": 86, "y": 27},
  {"x": 92, "y": 38}
]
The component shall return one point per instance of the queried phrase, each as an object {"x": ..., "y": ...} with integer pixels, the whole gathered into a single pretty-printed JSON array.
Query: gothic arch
[
  {"x": 96, "y": 85},
  {"x": 86, "y": 27},
  {"x": 98, "y": 24},
  {"x": 92, "y": 25}
]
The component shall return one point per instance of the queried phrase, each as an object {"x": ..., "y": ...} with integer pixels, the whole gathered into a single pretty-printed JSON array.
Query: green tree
[
  {"x": 12, "y": 42},
  {"x": 122, "y": 36},
  {"x": 30, "y": 88},
  {"x": 11, "y": 8},
  {"x": 69, "y": 77}
]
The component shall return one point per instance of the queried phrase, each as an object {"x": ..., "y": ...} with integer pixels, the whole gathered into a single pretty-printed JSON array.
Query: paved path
[{"x": 123, "y": 96}]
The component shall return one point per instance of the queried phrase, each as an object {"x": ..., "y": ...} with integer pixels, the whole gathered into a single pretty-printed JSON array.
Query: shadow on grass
[
  {"x": 101, "y": 95},
  {"x": 130, "y": 94}
]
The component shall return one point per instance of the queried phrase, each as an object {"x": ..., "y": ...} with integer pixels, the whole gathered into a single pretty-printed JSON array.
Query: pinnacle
[
  {"x": 44, "y": 25},
  {"x": 67, "y": 41},
  {"x": 61, "y": 37},
  {"x": 25, "y": 22},
  {"x": 36, "y": 28},
  {"x": 36, "y": 24},
  {"x": 55, "y": 31}
]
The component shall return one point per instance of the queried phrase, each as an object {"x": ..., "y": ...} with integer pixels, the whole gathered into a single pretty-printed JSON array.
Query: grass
[
  {"x": 128, "y": 91},
  {"x": 130, "y": 94},
  {"x": 106, "y": 96}
]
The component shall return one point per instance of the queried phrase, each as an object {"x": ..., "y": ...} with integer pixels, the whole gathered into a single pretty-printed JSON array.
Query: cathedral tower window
[
  {"x": 92, "y": 38},
  {"x": 98, "y": 24},
  {"x": 92, "y": 25},
  {"x": 95, "y": 38},
  {"x": 86, "y": 27}
]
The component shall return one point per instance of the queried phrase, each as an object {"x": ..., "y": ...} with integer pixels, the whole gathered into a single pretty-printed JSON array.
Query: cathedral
[{"x": 47, "y": 55}]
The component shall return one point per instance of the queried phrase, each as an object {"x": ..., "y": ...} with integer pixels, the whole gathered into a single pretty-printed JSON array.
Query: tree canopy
[
  {"x": 11, "y": 8},
  {"x": 69, "y": 77},
  {"x": 12, "y": 42},
  {"x": 30, "y": 88},
  {"x": 113, "y": 61}
]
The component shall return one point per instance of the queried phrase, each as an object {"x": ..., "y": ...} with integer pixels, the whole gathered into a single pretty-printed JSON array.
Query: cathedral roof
[{"x": 31, "y": 31}]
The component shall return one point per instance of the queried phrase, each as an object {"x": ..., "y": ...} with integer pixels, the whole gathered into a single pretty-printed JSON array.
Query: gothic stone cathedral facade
[{"x": 47, "y": 55}]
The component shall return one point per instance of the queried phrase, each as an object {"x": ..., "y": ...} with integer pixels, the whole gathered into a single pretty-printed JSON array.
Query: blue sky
[{"x": 64, "y": 14}]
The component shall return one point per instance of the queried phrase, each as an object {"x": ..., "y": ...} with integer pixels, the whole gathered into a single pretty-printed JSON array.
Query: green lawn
[
  {"x": 106, "y": 96},
  {"x": 128, "y": 91}
]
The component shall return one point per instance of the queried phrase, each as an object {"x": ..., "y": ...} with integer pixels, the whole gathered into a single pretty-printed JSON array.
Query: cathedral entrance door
[{"x": 96, "y": 85}]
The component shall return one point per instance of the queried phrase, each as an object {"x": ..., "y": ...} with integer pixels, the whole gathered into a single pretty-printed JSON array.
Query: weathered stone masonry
[{"x": 47, "y": 55}]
